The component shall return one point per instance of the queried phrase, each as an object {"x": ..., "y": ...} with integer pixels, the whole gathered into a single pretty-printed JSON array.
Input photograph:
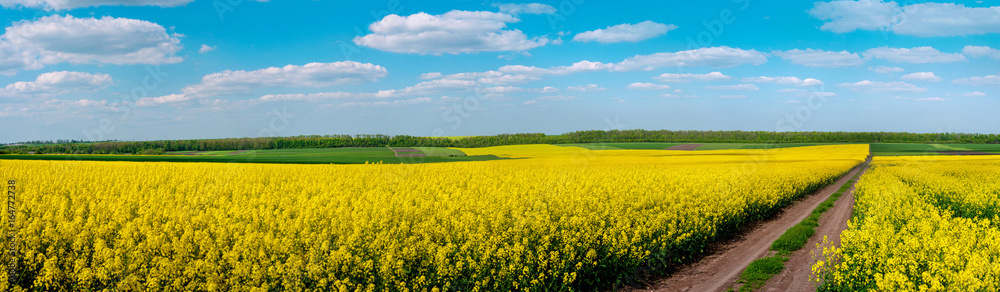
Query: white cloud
[
  {"x": 688, "y": 77},
  {"x": 422, "y": 88},
  {"x": 749, "y": 87},
  {"x": 820, "y": 58},
  {"x": 667, "y": 95},
  {"x": 930, "y": 99},
  {"x": 981, "y": 51},
  {"x": 205, "y": 49},
  {"x": 799, "y": 92},
  {"x": 31, "y": 45},
  {"x": 525, "y": 8},
  {"x": 918, "y": 55},
  {"x": 71, "y": 4},
  {"x": 454, "y": 32},
  {"x": 309, "y": 75},
  {"x": 846, "y": 16},
  {"x": 975, "y": 94},
  {"x": 884, "y": 69},
  {"x": 514, "y": 89},
  {"x": 976, "y": 80},
  {"x": 578, "y": 67},
  {"x": 166, "y": 99},
  {"x": 618, "y": 100},
  {"x": 874, "y": 86},
  {"x": 431, "y": 75},
  {"x": 784, "y": 80},
  {"x": 647, "y": 85},
  {"x": 382, "y": 103},
  {"x": 55, "y": 83},
  {"x": 733, "y": 96},
  {"x": 719, "y": 57},
  {"x": 513, "y": 74},
  {"x": 922, "y": 19},
  {"x": 922, "y": 76},
  {"x": 625, "y": 32},
  {"x": 586, "y": 88}
]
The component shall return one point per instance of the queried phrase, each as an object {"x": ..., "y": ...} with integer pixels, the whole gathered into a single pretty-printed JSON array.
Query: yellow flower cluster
[
  {"x": 921, "y": 224},
  {"x": 555, "y": 218}
]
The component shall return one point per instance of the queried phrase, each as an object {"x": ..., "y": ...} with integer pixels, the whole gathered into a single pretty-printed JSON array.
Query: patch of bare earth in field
[{"x": 687, "y": 147}]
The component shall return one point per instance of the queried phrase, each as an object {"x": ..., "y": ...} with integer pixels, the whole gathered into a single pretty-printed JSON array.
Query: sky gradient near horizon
[{"x": 183, "y": 69}]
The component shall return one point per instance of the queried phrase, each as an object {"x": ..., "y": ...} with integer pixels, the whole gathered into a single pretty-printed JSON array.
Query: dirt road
[
  {"x": 720, "y": 270},
  {"x": 798, "y": 269}
]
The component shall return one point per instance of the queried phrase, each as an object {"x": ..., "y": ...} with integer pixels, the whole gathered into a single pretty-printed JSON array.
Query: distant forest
[{"x": 332, "y": 141}]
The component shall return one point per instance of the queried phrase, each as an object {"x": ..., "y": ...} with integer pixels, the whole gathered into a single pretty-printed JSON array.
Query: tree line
[{"x": 595, "y": 136}]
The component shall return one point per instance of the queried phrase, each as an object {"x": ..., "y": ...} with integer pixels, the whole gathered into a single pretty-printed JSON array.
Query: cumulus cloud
[
  {"x": 383, "y": 103},
  {"x": 55, "y": 83},
  {"x": 166, "y": 99},
  {"x": 918, "y": 55},
  {"x": 31, "y": 45},
  {"x": 784, "y": 80},
  {"x": 625, "y": 32},
  {"x": 820, "y": 58},
  {"x": 205, "y": 49},
  {"x": 799, "y": 92},
  {"x": 975, "y": 94},
  {"x": 874, "y": 86},
  {"x": 930, "y": 99},
  {"x": 455, "y": 32},
  {"x": 688, "y": 77},
  {"x": 719, "y": 57},
  {"x": 513, "y": 74},
  {"x": 733, "y": 96},
  {"x": 586, "y": 88},
  {"x": 422, "y": 88},
  {"x": 647, "y": 85},
  {"x": 976, "y": 80},
  {"x": 71, "y": 4},
  {"x": 885, "y": 69},
  {"x": 309, "y": 75},
  {"x": 921, "y": 19},
  {"x": 514, "y": 89},
  {"x": 525, "y": 8},
  {"x": 431, "y": 75},
  {"x": 981, "y": 51},
  {"x": 922, "y": 76},
  {"x": 749, "y": 87}
]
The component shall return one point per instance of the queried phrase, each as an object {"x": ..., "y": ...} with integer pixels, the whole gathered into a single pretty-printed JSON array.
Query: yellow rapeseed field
[
  {"x": 922, "y": 224},
  {"x": 548, "y": 218}
]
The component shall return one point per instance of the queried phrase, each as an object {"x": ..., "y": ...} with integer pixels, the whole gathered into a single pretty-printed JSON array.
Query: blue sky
[{"x": 175, "y": 69}]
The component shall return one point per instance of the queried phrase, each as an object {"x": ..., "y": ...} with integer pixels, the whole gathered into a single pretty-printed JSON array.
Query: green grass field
[
  {"x": 303, "y": 156},
  {"x": 439, "y": 151},
  {"x": 729, "y": 146},
  {"x": 900, "y": 149}
]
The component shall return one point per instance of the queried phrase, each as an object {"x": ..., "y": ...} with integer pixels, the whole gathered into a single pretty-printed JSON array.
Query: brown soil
[
  {"x": 798, "y": 268},
  {"x": 966, "y": 153},
  {"x": 238, "y": 152},
  {"x": 688, "y": 147},
  {"x": 720, "y": 270},
  {"x": 406, "y": 152}
]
